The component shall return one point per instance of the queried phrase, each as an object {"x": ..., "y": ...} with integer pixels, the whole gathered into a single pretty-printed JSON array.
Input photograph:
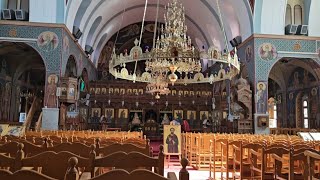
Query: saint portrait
[
  {"x": 110, "y": 90},
  {"x": 122, "y": 91},
  {"x": 92, "y": 91},
  {"x": 173, "y": 92},
  {"x": 97, "y": 90},
  {"x": 116, "y": 90},
  {"x": 198, "y": 93},
  {"x": 141, "y": 91},
  {"x": 96, "y": 112},
  {"x": 191, "y": 93},
  {"x": 48, "y": 41},
  {"x": 3, "y": 129},
  {"x": 172, "y": 139},
  {"x": 129, "y": 91},
  {"x": 51, "y": 91},
  {"x": 204, "y": 115},
  {"x": 191, "y": 115},
  {"x": 267, "y": 51},
  {"x": 123, "y": 113},
  {"x": 249, "y": 53},
  {"x": 109, "y": 114},
  {"x": 71, "y": 91},
  {"x": 186, "y": 93},
  {"x": 178, "y": 114},
  {"x": 135, "y": 91},
  {"x": 180, "y": 93},
  {"x": 261, "y": 97},
  {"x": 103, "y": 91}
]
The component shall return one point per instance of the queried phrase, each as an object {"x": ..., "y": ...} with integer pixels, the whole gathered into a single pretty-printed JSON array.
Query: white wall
[
  {"x": 46, "y": 11},
  {"x": 272, "y": 17},
  {"x": 314, "y": 14}
]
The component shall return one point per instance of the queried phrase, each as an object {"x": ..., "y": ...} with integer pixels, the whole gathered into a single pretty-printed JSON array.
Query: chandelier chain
[{"x": 222, "y": 26}]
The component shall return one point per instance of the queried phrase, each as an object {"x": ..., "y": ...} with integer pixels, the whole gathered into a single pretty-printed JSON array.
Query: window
[
  {"x": 305, "y": 114},
  {"x": 294, "y": 12},
  {"x": 297, "y": 14},
  {"x": 18, "y": 4},
  {"x": 288, "y": 15}
]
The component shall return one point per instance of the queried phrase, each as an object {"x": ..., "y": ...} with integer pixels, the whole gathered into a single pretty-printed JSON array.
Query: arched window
[
  {"x": 305, "y": 113},
  {"x": 18, "y": 4},
  {"x": 288, "y": 15},
  {"x": 297, "y": 14}
]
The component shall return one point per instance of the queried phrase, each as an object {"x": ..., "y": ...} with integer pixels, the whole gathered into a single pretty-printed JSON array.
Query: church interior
[{"x": 159, "y": 89}]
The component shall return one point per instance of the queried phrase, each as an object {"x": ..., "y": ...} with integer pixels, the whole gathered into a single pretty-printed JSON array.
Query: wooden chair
[
  {"x": 204, "y": 151},
  {"x": 313, "y": 158}
]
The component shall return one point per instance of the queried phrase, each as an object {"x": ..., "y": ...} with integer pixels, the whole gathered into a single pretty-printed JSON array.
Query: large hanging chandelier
[
  {"x": 173, "y": 50},
  {"x": 173, "y": 53}
]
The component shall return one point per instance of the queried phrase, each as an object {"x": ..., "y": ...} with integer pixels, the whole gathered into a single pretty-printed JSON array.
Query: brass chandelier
[{"x": 173, "y": 52}]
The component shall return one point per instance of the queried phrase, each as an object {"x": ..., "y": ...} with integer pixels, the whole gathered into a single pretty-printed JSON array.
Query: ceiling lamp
[
  {"x": 159, "y": 86},
  {"x": 173, "y": 52}
]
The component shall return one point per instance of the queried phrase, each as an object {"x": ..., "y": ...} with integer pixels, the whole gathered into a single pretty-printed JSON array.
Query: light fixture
[{"x": 173, "y": 54}]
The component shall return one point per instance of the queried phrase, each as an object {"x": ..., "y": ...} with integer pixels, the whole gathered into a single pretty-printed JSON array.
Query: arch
[
  {"x": 298, "y": 16},
  {"x": 100, "y": 46},
  {"x": 31, "y": 72},
  {"x": 85, "y": 78},
  {"x": 93, "y": 28},
  {"x": 81, "y": 11},
  {"x": 71, "y": 67},
  {"x": 288, "y": 15}
]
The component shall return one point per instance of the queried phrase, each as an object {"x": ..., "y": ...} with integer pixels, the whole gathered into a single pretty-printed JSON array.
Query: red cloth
[{"x": 186, "y": 126}]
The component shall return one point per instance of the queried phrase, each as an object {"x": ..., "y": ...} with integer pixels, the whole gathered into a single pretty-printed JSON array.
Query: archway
[
  {"x": 71, "y": 68},
  {"x": 22, "y": 78},
  {"x": 293, "y": 94}
]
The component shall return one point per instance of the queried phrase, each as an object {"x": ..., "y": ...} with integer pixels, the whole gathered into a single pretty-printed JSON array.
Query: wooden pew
[{"x": 23, "y": 174}]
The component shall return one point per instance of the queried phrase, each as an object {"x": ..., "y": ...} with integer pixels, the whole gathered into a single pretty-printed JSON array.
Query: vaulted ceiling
[{"x": 99, "y": 20}]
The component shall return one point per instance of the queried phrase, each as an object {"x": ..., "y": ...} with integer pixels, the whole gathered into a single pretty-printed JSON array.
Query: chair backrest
[
  {"x": 130, "y": 161},
  {"x": 54, "y": 164},
  {"x": 79, "y": 149},
  {"x": 23, "y": 174},
  {"x": 139, "y": 174},
  {"x": 107, "y": 150}
]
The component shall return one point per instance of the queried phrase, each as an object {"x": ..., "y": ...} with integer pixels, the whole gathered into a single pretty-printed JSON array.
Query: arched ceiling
[{"x": 202, "y": 19}]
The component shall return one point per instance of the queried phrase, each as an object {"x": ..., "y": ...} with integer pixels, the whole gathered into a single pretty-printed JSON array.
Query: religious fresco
[
  {"x": 48, "y": 41},
  {"x": 3, "y": 129},
  {"x": 249, "y": 53},
  {"x": 122, "y": 113},
  {"x": 96, "y": 112},
  {"x": 178, "y": 114},
  {"x": 66, "y": 44},
  {"x": 51, "y": 100},
  {"x": 191, "y": 115},
  {"x": 267, "y": 51},
  {"x": 261, "y": 97},
  {"x": 109, "y": 114}
]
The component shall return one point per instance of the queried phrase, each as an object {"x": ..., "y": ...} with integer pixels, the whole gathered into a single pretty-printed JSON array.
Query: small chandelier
[{"x": 158, "y": 87}]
